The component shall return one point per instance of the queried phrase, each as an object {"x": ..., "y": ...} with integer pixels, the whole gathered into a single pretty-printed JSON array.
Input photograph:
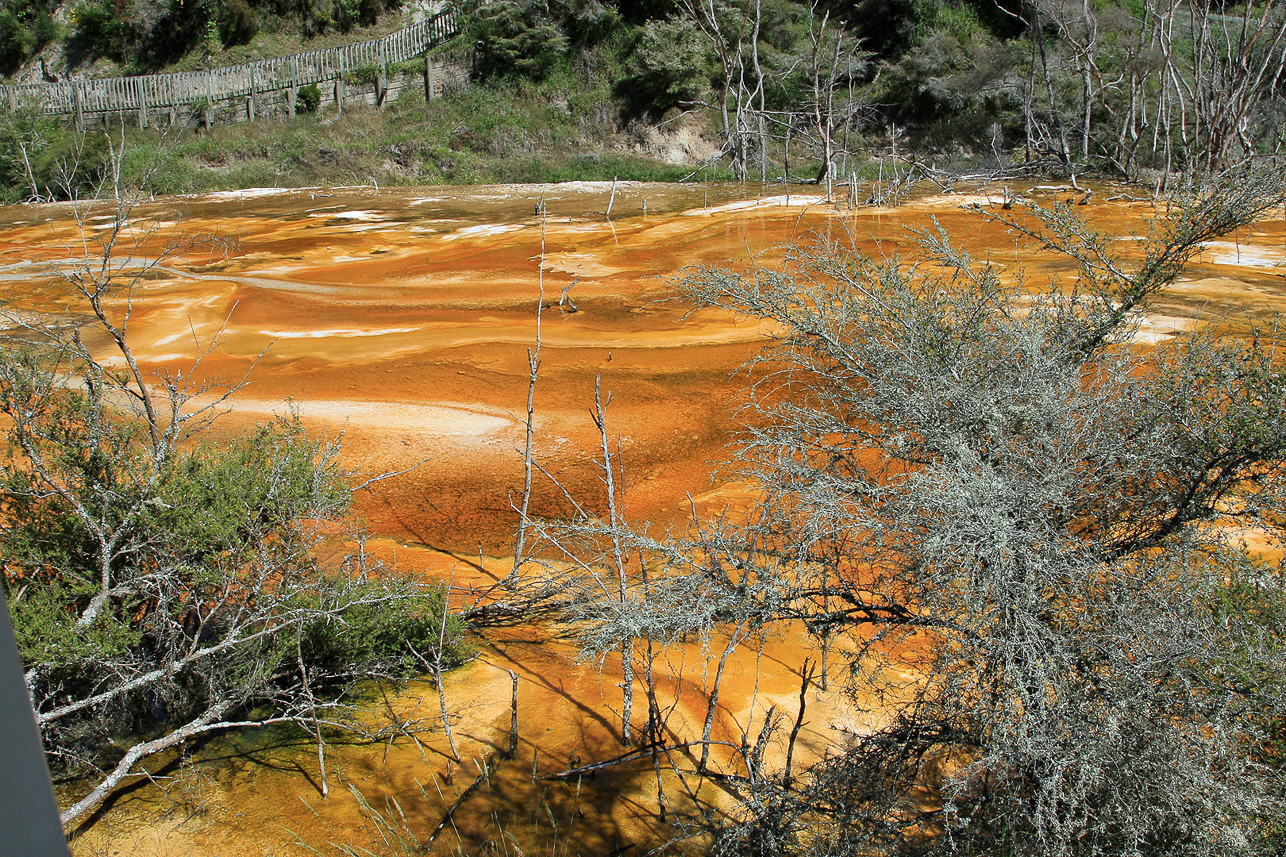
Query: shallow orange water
[{"x": 402, "y": 319}]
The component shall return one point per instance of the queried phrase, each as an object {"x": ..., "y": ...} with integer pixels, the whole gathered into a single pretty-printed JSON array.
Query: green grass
[{"x": 563, "y": 129}]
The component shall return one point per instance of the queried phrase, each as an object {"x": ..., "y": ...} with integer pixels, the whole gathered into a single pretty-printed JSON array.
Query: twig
[{"x": 488, "y": 766}]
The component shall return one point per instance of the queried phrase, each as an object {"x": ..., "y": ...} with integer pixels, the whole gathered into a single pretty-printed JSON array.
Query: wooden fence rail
[{"x": 190, "y": 89}]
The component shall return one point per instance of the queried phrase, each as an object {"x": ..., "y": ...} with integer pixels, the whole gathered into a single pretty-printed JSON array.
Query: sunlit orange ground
[{"x": 402, "y": 320}]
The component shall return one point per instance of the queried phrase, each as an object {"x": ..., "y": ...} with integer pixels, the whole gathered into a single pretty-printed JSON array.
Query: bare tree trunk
[
  {"x": 1088, "y": 71},
  {"x": 821, "y": 101},
  {"x": 728, "y": 47},
  {"x": 207, "y": 722},
  {"x": 627, "y": 690},
  {"x": 757, "y": 94},
  {"x": 1038, "y": 37},
  {"x": 513, "y": 717},
  {"x": 437, "y": 668},
  {"x": 654, "y": 731},
  {"x": 533, "y": 366},
  {"x": 806, "y": 677},
  {"x": 713, "y": 704},
  {"x": 618, "y": 558}
]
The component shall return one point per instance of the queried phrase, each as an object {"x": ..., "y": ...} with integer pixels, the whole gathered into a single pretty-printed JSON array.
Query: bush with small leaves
[{"x": 309, "y": 98}]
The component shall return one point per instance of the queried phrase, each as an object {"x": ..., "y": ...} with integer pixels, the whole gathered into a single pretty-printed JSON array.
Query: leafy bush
[
  {"x": 25, "y": 27},
  {"x": 104, "y": 28},
  {"x": 309, "y": 98},
  {"x": 175, "y": 29},
  {"x": 667, "y": 66},
  {"x": 514, "y": 37},
  {"x": 238, "y": 22},
  {"x": 1030, "y": 517},
  {"x": 351, "y": 13},
  {"x": 364, "y": 75},
  {"x": 39, "y": 150},
  {"x": 165, "y": 584}
]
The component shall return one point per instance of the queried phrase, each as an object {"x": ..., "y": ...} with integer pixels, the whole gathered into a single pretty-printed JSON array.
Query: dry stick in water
[
  {"x": 437, "y": 667},
  {"x": 754, "y": 695},
  {"x": 581, "y": 770},
  {"x": 826, "y": 630},
  {"x": 713, "y": 705},
  {"x": 654, "y": 719},
  {"x": 806, "y": 674},
  {"x": 754, "y": 756},
  {"x": 486, "y": 769},
  {"x": 513, "y": 717},
  {"x": 321, "y": 745},
  {"x": 618, "y": 557},
  {"x": 533, "y": 365}
]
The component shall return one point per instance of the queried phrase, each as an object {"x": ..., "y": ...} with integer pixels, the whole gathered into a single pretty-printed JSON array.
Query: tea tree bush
[
  {"x": 1028, "y": 528},
  {"x": 1005, "y": 502}
]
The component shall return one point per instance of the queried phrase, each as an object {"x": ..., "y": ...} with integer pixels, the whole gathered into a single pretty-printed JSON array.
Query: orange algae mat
[{"x": 402, "y": 319}]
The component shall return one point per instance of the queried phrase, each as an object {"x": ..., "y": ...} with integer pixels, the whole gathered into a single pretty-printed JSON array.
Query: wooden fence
[{"x": 194, "y": 91}]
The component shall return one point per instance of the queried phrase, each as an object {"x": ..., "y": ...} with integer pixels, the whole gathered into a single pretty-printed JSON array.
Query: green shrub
[
  {"x": 363, "y": 75},
  {"x": 104, "y": 28},
  {"x": 309, "y": 98},
  {"x": 25, "y": 27},
  {"x": 368, "y": 11},
  {"x": 58, "y": 158},
  {"x": 44, "y": 28},
  {"x": 319, "y": 19},
  {"x": 514, "y": 37},
  {"x": 351, "y": 13},
  {"x": 238, "y": 22},
  {"x": 15, "y": 40},
  {"x": 666, "y": 66}
]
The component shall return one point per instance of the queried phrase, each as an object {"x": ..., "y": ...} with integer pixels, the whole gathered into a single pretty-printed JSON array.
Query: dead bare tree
[
  {"x": 731, "y": 32},
  {"x": 1175, "y": 84}
]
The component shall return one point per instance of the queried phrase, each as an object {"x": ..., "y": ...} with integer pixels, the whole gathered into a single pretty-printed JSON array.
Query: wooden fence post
[
  {"x": 381, "y": 82},
  {"x": 140, "y": 89},
  {"x": 429, "y": 82},
  {"x": 339, "y": 87},
  {"x": 208, "y": 117},
  {"x": 78, "y": 105},
  {"x": 250, "y": 102},
  {"x": 292, "y": 90}
]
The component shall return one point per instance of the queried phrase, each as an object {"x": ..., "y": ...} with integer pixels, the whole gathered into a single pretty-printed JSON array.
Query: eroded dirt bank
[{"x": 402, "y": 319}]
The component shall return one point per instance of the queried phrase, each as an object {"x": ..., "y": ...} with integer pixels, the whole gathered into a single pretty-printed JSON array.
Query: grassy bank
[{"x": 560, "y": 129}]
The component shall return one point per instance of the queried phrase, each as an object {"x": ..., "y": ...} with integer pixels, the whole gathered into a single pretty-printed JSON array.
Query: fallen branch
[
  {"x": 644, "y": 750},
  {"x": 487, "y": 767}
]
